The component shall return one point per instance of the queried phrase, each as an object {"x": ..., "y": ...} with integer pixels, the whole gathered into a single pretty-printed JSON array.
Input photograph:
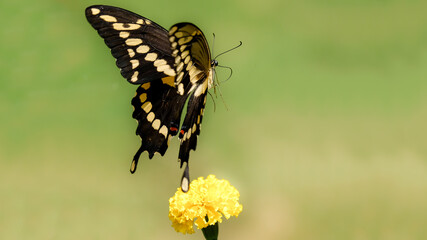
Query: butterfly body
[{"x": 171, "y": 68}]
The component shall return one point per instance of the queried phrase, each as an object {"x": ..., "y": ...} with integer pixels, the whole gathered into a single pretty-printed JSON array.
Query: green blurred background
[{"x": 325, "y": 136}]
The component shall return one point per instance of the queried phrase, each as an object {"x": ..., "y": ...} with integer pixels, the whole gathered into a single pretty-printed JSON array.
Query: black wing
[
  {"x": 144, "y": 55},
  {"x": 194, "y": 76},
  {"x": 140, "y": 46},
  {"x": 157, "y": 109}
]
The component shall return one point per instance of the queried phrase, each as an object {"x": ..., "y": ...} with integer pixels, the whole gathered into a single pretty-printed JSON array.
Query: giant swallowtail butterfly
[{"x": 170, "y": 67}]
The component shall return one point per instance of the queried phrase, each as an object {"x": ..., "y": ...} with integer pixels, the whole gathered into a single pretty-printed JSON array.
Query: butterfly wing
[
  {"x": 140, "y": 46},
  {"x": 143, "y": 53},
  {"x": 157, "y": 109},
  {"x": 194, "y": 76}
]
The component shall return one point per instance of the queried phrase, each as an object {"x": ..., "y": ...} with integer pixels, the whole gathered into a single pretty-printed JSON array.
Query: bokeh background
[{"x": 324, "y": 136}]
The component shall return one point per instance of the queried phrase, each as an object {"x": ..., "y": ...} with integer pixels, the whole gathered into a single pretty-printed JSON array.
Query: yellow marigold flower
[{"x": 204, "y": 204}]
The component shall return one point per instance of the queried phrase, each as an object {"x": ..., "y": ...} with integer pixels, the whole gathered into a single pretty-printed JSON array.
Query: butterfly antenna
[
  {"x": 240, "y": 44},
  {"x": 213, "y": 43}
]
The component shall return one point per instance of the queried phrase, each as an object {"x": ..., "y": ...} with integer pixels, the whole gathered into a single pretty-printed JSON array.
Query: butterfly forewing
[
  {"x": 192, "y": 56},
  {"x": 140, "y": 46}
]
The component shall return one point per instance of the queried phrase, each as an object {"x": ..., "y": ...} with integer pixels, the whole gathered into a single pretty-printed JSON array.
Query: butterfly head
[{"x": 214, "y": 63}]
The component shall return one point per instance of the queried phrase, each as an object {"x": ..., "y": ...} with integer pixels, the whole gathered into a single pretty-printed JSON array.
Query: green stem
[{"x": 211, "y": 232}]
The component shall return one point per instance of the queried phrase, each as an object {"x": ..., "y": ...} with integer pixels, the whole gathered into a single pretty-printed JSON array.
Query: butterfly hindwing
[
  {"x": 140, "y": 46},
  {"x": 191, "y": 126},
  {"x": 157, "y": 109}
]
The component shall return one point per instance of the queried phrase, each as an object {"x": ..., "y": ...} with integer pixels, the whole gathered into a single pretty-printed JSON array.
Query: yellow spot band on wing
[
  {"x": 95, "y": 11},
  {"x": 146, "y": 85},
  {"x": 169, "y": 81},
  {"x": 125, "y": 26},
  {"x": 143, "y": 97},
  {"x": 108, "y": 18},
  {"x": 146, "y": 107},
  {"x": 156, "y": 124},
  {"x": 133, "y": 41},
  {"x": 150, "y": 57},
  {"x": 142, "y": 49},
  {"x": 164, "y": 130}
]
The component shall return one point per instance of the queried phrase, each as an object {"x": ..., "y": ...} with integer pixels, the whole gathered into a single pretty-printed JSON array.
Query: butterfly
[{"x": 172, "y": 68}]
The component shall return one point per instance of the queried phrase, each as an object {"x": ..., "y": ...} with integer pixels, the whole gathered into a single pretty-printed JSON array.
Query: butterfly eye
[{"x": 214, "y": 63}]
